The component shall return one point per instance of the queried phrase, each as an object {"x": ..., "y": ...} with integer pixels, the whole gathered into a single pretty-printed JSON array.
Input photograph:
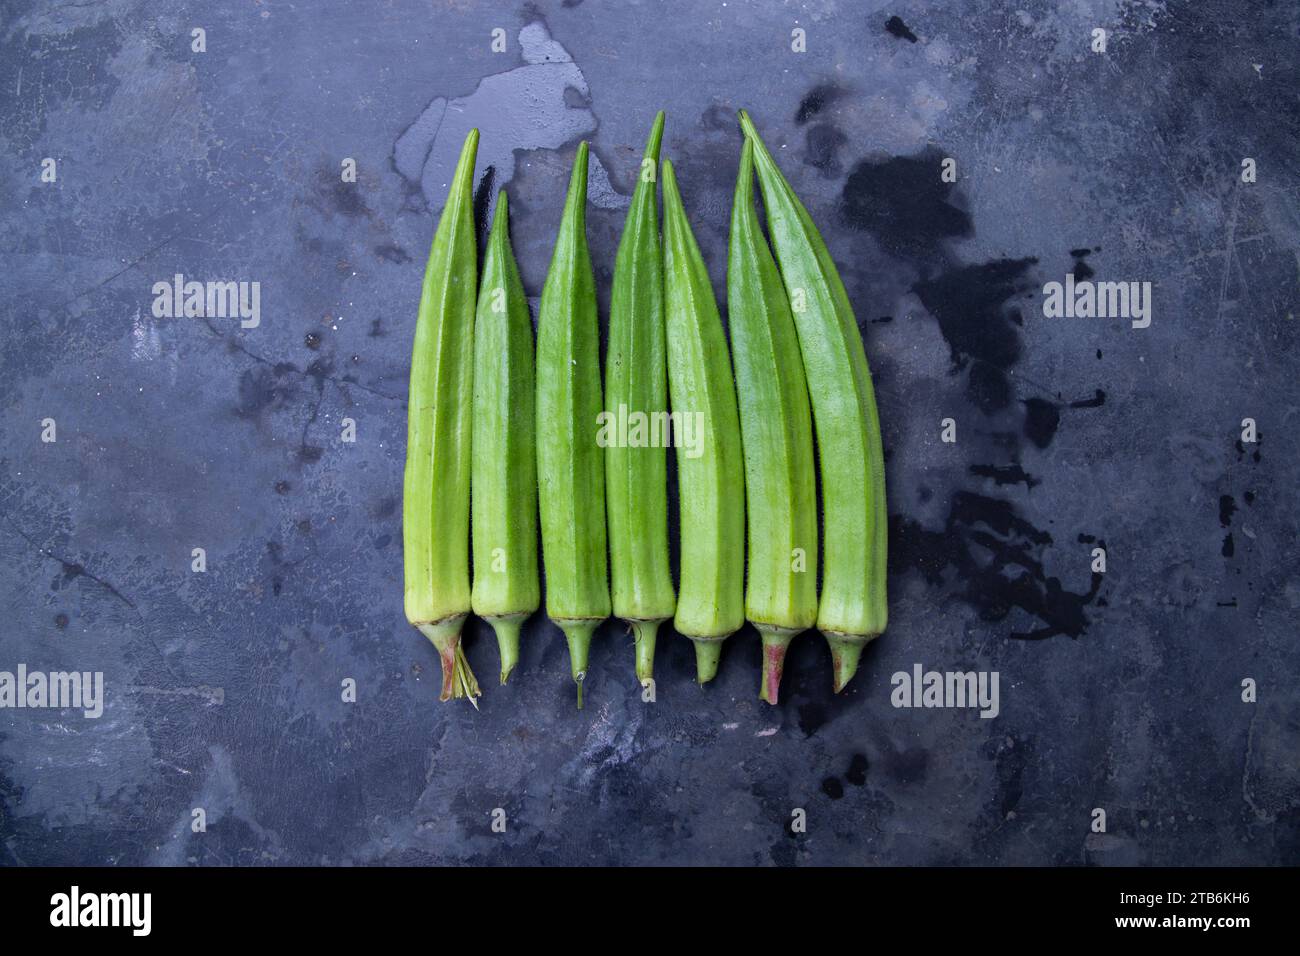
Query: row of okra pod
[{"x": 501, "y": 432}]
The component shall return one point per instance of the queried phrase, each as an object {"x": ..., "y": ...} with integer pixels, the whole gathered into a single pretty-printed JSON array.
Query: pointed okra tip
[
  {"x": 656, "y": 135},
  {"x": 668, "y": 179},
  {"x": 501, "y": 215},
  {"x": 507, "y": 631},
  {"x": 645, "y": 633},
  {"x": 762, "y": 156},
  {"x": 469, "y": 150},
  {"x": 707, "y": 656},
  {"x": 577, "y": 635},
  {"x": 776, "y": 642},
  {"x": 500, "y": 231},
  {"x": 576, "y": 200},
  {"x": 845, "y": 654}
]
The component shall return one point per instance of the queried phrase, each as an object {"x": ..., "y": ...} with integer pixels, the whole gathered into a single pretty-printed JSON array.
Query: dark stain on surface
[
  {"x": 907, "y": 766},
  {"x": 1081, "y": 270},
  {"x": 895, "y": 26},
  {"x": 996, "y": 556},
  {"x": 61, "y": 621},
  {"x": 718, "y": 116},
  {"x": 1042, "y": 418},
  {"x": 1098, "y": 399},
  {"x": 264, "y": 389},
  {"x": 832, "y": 787},
  {"x": 815, "y": 101},
  {"x": 857, "y": 772},
  {"x": 312, "y": 340},
  {"x": 1227, "y": 508},
  {"x": 822, "y": 144},
  {"x": 1009, "y": 765},
  {"x": 904, "y": 203},
  {"x": 988, "y": 388},
  {"x": 344, "y": 198},
  {"x": 391, "y": 252},
  {"x": 72, "y": 570},
  {"x": 812, "y": 717},
  {"x": 970, "y": 305},
  {"x": 483, "y": 196},
  {"x": 1229, "y": 548},
  {"x": 1005, "y": 474}
]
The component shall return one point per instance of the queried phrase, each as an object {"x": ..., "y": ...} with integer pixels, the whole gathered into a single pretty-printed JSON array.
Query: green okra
[
  {"x": 435, "y": 491},
  {"x": 503, "y": 501},
  {"x": 853, "y": 607},
  {"x": 710, "y": 474},
  {"x": 776, "y": 435},
  {"x": 570, "y": 462},
  {"x": 636, "y": 393}
]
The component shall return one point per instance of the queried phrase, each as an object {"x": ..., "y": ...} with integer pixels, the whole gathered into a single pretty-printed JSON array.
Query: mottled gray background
[{"x": 1120, "y": 691}]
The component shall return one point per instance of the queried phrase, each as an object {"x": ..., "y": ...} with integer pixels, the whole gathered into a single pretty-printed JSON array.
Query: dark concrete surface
[{"x": 1120, "y": 691}]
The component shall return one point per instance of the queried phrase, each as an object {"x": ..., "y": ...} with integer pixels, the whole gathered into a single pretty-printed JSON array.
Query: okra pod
[
  {"x": 570, "y": 463},
  {"x": 636, "y": 401},
  {"x": 710, "y": 475},
  {"x": 503, "y": 502},
  {"x": 776, "y": 435},
  {"x": 435, "y": 490},
  {"x": 853, "y": 607}
]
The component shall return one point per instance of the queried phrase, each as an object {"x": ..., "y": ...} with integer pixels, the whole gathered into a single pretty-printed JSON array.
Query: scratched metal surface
[{"x": 1119, "y": 691}]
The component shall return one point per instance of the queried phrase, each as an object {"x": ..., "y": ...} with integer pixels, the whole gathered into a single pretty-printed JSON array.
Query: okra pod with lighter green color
[
  {"x": 776, "y": 433},
  {"x": 710, "y": 474},
  {"x": 570, "y": 462},
  {"x": 853, "y": 608},
  {"x": 636, "y": 393},
  {"x": 435, "y": 490},
  {"x": 503, "y": 501}
]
